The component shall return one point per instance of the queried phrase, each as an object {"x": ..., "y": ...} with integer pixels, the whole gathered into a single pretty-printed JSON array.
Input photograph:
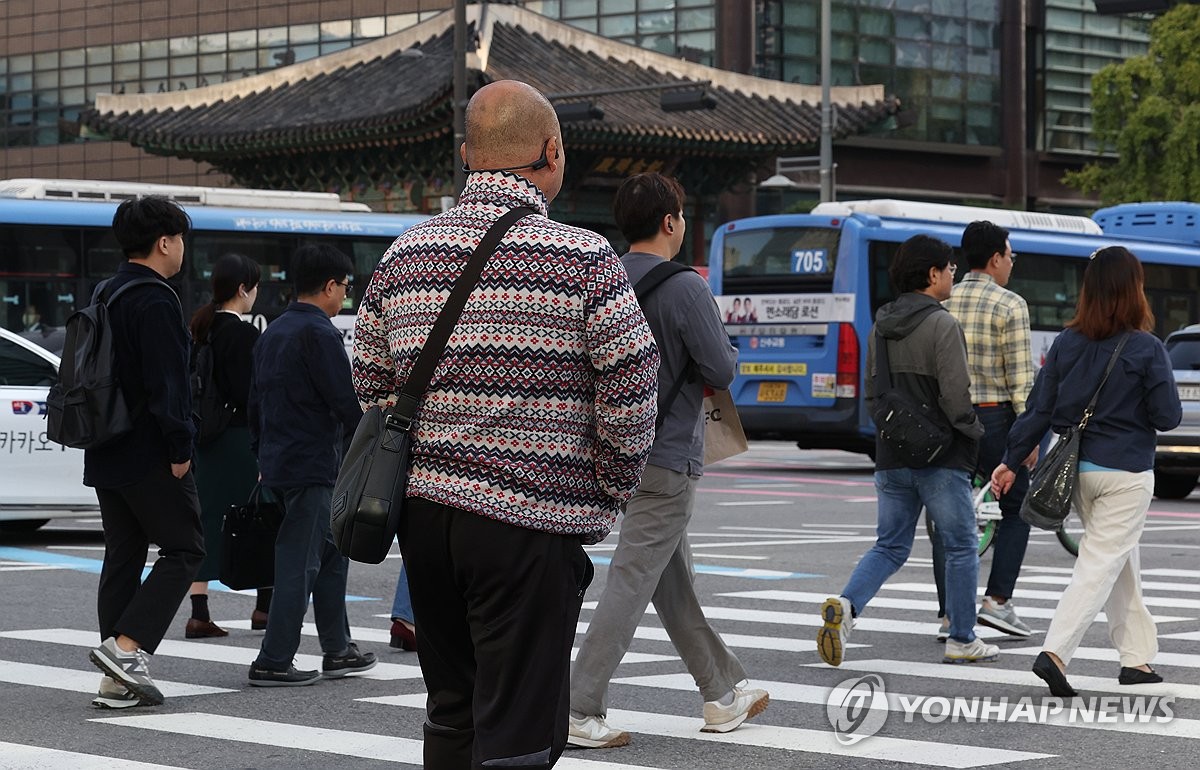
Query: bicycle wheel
[
  {"x": 987, "y": 516},
  {"x": 1068, "y": 541}
]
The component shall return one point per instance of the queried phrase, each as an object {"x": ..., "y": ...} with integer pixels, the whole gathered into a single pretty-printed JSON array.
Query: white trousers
[{"x": 1112, "y": 506}]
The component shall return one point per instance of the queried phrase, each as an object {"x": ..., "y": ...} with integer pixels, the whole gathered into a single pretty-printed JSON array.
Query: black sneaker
[
  {"x": 350, "y": 661},
  {"x": 292, "y": 677}
]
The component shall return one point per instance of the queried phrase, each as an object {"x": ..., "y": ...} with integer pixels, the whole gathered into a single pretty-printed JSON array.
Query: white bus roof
[
  {"x": 944, "y": 212},
  {"x": 92, "y": 190}
]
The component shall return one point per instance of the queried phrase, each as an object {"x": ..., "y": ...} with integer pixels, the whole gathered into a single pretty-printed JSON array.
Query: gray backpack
[{"x": 86, "y": 408}]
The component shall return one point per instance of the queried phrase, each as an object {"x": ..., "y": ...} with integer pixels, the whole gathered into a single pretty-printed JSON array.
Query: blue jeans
[
  {"x": 946, "y": 495},
  {"x": 306, "y": 563},
  {"x": 402, "y": 604},
  {"x": 1012, "y": 533}
]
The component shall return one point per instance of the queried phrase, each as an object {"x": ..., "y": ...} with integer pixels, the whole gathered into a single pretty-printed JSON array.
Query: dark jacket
[
  {"x": 302, "y": 407},
  {"x": 232, "y": 341},
  {"x": 928, "y": 357},
  {"x": 153, "y": 350},
  {"x": 1139, "y": 399}
]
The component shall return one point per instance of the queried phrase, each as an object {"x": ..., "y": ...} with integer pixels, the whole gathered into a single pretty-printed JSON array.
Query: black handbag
[
  {"x": 248, "y": 535},
  {"x": 1048, "y": 501},
  {"x": 368, "y": 498},
  {"x": 917, "y": 432}
]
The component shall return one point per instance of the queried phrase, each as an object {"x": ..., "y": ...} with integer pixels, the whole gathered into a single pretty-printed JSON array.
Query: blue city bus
[
  {"x": 799, "y": 293},
  {"x": 56, "y": 242}
]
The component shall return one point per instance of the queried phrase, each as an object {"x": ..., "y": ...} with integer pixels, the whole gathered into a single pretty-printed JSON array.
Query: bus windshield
[{"x": 758, "y": 259}]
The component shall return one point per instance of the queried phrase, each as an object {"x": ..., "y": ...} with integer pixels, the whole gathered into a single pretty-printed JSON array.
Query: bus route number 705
[{"x": 809, "y": 261}]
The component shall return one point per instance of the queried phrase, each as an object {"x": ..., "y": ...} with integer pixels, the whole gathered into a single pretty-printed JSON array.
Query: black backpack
[
  {"x": 645, "y": 286},
  {"x": 86, "y": 408},
  {"x": 213, "y": 411}
]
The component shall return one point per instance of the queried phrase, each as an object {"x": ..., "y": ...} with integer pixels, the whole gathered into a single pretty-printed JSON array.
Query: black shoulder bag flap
[
  {"x": 645, "y": 286},
  {"x": 1052, "y": 484},
  {"x": 368, "y": 498},
  {"x": 917, "y": 432}
]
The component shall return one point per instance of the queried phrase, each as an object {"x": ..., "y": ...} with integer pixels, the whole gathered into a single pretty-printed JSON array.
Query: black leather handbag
[
  {"x": 1048, "y": 501},
  {"x": 248, "y": 535},
  {"x": 368, "y": 498}
]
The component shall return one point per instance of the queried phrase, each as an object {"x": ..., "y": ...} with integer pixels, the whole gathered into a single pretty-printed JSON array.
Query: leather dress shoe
[
  {"x": 258, "y": 620},
  {"x": 402, "y": 637},
  {"x": 1137, "y": 676},
  {"x": 203, "y": 629},
  {"x": 1049, "y": 673}
]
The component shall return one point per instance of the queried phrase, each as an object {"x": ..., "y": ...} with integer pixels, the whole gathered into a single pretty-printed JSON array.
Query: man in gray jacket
[
  {"x": 928, "y": 361},
  {"x": 653, "y": 561}
]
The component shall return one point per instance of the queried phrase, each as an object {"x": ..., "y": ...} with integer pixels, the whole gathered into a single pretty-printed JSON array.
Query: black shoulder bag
[
  {"x": 1048, "y": 501},
  {"x": 368, "y": 498},
  {"x": 917, "y": 432}
]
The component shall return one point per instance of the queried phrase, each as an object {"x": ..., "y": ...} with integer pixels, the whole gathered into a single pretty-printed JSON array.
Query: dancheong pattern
[{"x": 541, "y": 410}]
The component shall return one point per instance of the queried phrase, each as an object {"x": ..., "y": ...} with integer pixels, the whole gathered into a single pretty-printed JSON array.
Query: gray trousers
[{"x": 652, "y": 563}]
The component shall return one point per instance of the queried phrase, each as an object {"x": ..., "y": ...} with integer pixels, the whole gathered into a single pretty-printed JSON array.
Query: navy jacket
[
  {"x": 1139, "y": 399},
  {"x": 302, "y": 406},
  {"x": 153, "y": 349}
]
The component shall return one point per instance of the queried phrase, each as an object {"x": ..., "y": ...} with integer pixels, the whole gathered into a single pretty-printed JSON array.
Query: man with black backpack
[
  {"x": 143, "y": 476},
  {"x": 653, "y": 561}
]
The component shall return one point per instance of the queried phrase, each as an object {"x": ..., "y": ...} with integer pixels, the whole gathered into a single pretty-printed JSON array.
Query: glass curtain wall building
[{"x": 947, "y": 60}]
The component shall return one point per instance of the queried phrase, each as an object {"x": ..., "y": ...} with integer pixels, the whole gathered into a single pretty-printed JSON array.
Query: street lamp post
[
  {"x": 827, "y": 193},
  {"x": 460, "y": 93}
]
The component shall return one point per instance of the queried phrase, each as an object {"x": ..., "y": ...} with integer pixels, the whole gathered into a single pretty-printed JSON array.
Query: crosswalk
[{"x": 653, "y": 696}]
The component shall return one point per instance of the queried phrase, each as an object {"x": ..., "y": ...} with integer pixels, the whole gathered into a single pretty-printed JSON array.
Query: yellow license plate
[
  {"x": 774, "y": 370},
  {"x": 772, "y": 391}
]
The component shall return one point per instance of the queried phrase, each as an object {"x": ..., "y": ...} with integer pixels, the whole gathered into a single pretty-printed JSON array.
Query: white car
[{"x": 39, "y": 480}]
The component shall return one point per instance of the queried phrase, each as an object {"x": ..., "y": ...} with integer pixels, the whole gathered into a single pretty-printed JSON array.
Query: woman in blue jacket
[{"x": 1116, "y": 461}]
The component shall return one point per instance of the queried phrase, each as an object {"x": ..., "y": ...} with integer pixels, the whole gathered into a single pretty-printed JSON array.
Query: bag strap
[
  {"x": 883, "y": 367},
  {"x": 414, "y": 388},
  {"x": 1112, "y": 362},
  {"x": 645, "y": 286}
]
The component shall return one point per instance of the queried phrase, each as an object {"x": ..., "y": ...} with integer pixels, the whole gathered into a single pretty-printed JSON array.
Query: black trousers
[
  {"x": 158, "y": 509},
  {"x": 495, "y": 608}
]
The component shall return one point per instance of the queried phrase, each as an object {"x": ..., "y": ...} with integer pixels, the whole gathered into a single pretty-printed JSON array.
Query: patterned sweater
[{"x": 541, "y": 410}]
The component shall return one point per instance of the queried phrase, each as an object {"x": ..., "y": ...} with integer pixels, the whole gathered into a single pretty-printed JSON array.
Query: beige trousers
[{"x": 1112, "y": 506}]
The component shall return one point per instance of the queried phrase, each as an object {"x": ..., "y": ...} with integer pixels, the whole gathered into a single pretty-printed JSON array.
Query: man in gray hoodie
[{"x": 928, "y": 361}]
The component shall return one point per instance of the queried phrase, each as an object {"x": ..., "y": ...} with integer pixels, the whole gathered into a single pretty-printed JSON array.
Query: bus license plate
[
  {"x": 1186, "y": 393},
  {"x": 775, "y": 392}
]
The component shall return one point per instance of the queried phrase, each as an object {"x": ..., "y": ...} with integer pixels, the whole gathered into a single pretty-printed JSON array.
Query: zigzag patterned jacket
[{"x": 541, "y": 411}]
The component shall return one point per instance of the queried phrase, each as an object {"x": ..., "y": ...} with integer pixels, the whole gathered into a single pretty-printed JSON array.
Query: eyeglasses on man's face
[{"x": 347, "y": 284}]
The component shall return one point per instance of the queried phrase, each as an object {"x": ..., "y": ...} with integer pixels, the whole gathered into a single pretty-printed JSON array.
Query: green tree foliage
[{"x": 1147, "y": 109}]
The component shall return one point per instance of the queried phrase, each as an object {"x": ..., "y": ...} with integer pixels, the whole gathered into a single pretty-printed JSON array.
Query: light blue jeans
[
  {"x": 402, "y": 604},
  {"x": 946, "y": 495}
]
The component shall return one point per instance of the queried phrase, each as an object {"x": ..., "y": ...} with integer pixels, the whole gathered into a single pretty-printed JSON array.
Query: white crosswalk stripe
[
  {"x": 16, "y": 756},
  {"x": 791, "y": 739},
  {"x": 72, "y": 680},
  {"x": 344, "y": 743}
]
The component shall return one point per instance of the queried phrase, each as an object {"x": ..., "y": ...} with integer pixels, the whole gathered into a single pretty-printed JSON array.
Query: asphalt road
[{"x": 775, "y": 532}]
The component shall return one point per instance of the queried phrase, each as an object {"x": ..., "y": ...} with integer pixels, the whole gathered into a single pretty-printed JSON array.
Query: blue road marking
[
  {"x": 81, "y": 564},
  {"x": 748, "y": 572}
]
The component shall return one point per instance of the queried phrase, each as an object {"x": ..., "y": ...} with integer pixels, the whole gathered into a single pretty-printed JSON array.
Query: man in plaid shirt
[{"x": 1000, "y": 361}]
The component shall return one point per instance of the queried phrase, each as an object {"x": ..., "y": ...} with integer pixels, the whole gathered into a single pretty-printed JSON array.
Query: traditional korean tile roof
[{"x": 397, "y": 92}]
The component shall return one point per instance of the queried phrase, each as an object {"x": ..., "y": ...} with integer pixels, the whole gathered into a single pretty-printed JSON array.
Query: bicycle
[{"x": 988, "y": 515}]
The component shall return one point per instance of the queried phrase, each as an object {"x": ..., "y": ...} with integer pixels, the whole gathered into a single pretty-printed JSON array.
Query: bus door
[{"x": 798, "y": 352}]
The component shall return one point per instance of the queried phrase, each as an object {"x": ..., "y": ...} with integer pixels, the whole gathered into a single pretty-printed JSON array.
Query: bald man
[{"x": 533, "y": 432}]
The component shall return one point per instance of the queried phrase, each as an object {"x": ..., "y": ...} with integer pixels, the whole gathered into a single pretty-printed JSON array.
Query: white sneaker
[
  {"x": 831, "y": 638},
  {"x": 976, "y": 651},
  {"x": 113, "y": 695},
  {"x": 746, "y": 704},
  {"x": 594, "y": 733}
]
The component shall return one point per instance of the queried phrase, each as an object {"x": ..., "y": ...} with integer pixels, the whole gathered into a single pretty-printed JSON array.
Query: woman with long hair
[
  {"x": 226, "y": 469},
  {"x": 1116, "y": 461}
]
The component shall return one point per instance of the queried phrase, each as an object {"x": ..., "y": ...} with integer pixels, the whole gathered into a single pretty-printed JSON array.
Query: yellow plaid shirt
[{"x": 999, "y": 352}]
